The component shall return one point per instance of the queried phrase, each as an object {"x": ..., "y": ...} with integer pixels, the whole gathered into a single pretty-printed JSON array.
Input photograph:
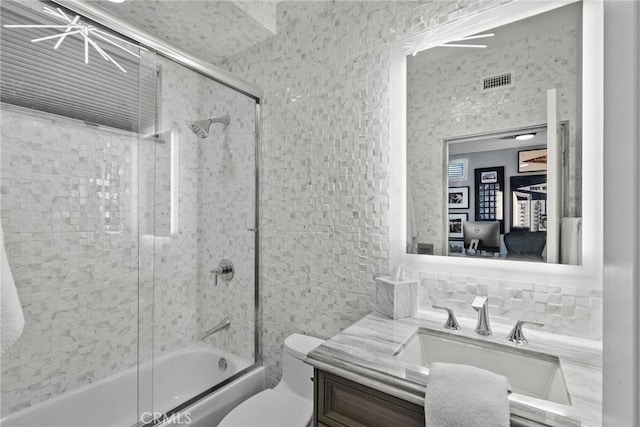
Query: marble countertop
[{"x": 364, "y": 351}]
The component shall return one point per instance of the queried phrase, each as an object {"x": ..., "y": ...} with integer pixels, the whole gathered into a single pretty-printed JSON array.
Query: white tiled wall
[
  {"x": 226, "y": 219},
  {"x": 325, "y": 162},
  {"x": 175, "y": 264},
  {"x": 67, "y": 197}
]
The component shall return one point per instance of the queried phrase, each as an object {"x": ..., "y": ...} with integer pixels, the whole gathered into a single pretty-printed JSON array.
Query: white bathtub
[{"x": 177, "y": 377}]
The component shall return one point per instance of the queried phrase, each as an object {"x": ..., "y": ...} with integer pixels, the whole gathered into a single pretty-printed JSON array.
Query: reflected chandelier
[{"x": 90, "y": 34}]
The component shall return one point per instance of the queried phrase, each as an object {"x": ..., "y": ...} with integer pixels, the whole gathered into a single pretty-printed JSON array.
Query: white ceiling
[
  {"x": 492, "y": 143},
  {"x": 210, "y": 30}
]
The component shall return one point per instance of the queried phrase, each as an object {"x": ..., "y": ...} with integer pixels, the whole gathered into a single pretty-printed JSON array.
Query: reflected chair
[{"x": 525, "y": 245}]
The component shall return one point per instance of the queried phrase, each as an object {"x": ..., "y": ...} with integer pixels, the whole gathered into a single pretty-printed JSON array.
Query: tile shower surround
[
  {"x": 69, "y": 213},
  {"x": 325, "y": 177}
]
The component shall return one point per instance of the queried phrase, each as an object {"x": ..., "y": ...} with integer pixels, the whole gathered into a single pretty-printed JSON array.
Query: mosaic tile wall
[
  {"x": 67, "y": 197},
  {"x": 325, "y": 160},
  {"x": 175, "y": 258},
  {"x": 226, "y": 219},
  {"x": 217, "y": 200},
  {"x": 446, "y": 99}
]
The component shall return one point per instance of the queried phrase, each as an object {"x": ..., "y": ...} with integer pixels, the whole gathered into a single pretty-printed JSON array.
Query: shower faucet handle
[{"x": 224, "y": 269}]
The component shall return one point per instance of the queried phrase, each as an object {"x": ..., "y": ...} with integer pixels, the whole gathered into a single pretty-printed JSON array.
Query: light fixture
[
  {"x": 525, "y": 136},
  {"x": 73, "y": 26},
  {"x": 116, "y": 1},
  {"x": 452, "y": 43}
]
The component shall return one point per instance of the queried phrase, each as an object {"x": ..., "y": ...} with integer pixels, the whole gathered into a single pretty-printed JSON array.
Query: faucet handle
[
  {"x": 516, "y": 335},
  {"x": 224, "y": 270},
  {"x": 451, "y": 322},
  {"x": 480, "y": 303}
]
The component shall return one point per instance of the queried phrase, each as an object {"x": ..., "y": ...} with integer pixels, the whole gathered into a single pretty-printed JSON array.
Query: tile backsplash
[{"x": 562, "y": 309}]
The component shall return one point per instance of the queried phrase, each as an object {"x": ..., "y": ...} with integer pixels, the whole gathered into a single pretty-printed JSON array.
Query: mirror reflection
[{"x": 494, "y": 143}]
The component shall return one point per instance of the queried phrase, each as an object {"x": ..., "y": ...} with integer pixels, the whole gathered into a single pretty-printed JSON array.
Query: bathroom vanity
[
  {"x": 373, "y": 373},
  {"x": 341, "y": 402}
]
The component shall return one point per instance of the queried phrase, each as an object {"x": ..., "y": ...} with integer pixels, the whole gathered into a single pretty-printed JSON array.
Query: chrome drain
[{"x": 222, "y": 364}]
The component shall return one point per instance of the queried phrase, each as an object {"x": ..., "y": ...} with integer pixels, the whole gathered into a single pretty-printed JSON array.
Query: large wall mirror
[
  {"x": 479, "y": 109},
  {"x": 496, "y": 143}
]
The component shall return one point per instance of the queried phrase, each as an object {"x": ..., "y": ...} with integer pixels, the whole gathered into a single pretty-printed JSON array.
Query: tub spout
[{"x": 224, "y": 324}]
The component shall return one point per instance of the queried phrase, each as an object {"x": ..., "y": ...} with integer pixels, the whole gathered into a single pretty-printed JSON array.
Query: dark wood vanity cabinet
[{"x": 339, "y": 402}]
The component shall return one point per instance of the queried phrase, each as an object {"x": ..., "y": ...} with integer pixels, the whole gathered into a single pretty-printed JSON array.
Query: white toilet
[{"x": 290, "y": 403}]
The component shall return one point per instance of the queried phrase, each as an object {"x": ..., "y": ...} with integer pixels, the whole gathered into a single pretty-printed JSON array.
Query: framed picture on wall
[
  {"x": 529, "y": 202},
  {"x": 489, "y": 177},
  {"x": 456, "y": 247},
  {"x": 532, "y": 161},
  {"x": 455, "y": 225},
  {"x": 489, "y": 195},
  {"x": 458, "y": 197}
]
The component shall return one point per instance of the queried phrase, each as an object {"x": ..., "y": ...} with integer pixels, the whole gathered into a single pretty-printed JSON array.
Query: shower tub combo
[
  {"x": 174, "y": 378},
  {"x": 152, "y": 181}
]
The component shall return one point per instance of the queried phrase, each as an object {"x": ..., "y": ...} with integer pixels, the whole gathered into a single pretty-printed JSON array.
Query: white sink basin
[{"x": 530, "y": 373}]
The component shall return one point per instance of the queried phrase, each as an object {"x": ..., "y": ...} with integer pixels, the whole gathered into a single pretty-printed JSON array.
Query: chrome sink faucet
[
  {"x": 481, "y": 305},
  {"x": 451, "y": 322},
  {"x": 516, "y": 335}
]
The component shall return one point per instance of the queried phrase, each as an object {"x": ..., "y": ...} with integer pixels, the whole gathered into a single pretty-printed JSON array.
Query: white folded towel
[
  {"x": 11, "y": 311},
  {"x": 464, "y": 396}
]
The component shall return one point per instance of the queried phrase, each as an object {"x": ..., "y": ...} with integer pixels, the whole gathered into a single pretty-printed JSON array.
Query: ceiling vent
[{"x": 498, "y": 81}]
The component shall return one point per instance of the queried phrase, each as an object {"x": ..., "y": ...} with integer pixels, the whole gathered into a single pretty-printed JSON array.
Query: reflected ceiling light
[
  {"x": 525, "y": 136},
  {"x": 73, "y": 26},
  {"x": 453, "y": 43},
  {"x": 116, "y": 1}
]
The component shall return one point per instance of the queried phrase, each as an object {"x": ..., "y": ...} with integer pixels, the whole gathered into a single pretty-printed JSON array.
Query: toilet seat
[
  {"x": 270, "y": 409},
  {"x": 300, "y": 345}
]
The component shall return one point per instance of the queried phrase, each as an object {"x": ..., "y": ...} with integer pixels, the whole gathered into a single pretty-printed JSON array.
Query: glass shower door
[
  {"x": 73, "y": 114},
  {"x": 203, "y": 325}
]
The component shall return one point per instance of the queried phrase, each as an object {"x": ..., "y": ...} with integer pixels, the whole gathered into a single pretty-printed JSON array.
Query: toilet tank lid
[{"x": 299, "y": 345}]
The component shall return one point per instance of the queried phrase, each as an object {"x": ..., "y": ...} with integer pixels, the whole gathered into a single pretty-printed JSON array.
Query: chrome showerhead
[{"x": 201, "y": 127}]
